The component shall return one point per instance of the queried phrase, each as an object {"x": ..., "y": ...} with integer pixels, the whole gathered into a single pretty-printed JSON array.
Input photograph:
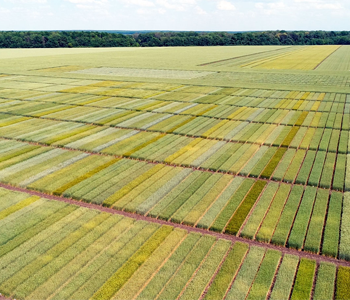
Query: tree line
[{"x": 72, "y": 39}]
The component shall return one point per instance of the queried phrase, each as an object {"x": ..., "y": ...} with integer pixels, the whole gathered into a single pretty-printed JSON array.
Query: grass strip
[
  {"x": 287, "y": 217},
  {"x": 19, "y": 152},
  {"x": 295, "y": 163},
  {"x": 272, "y": 165},
  {"x": 344, "y": 247},
  {"x": 201, "y": 194},
  {"x": 332, "y": 228},
  {"x": 317, "y": 168},
  {"x": 87, "y": 175},
  {"x": 306, "y": 167},
  {"x": 246, "y": 275},
  {"x": 96, "y": 272},
  {"x": 241, "y": 213},
  {"x": 273, "y": 215},
  {"x": 285, "y": 278},
  {"x": 10, "y": 210},
  {"x": 259, "y": 212},
  {"x": 304, "y": 281},
  {"x": 34, "y": 230},
  {"x": 28, "y": 271},
  {"x": 143, "y": 145},
  {"x": 263, "y": 162},
  {"x": 325, "y": 281},
  {"x": 169, "y": 268},
  {"x": 227, "y": 272},
  {"x": 214, "y": 210},
  {"x": 39, "y": 249},
  {"x": 339, "y": 174},
  {"x": 119, "y": 278},
  {"x": 67, "y": 272},
  {"x": 183, "y": 275},
  {"x": 327, "y": 173},
  {"x": 264, "y": 278},
  {"x": 229, "y": 209},
  {"x": 138, "y": 280},
  {"x": 314, "y": 234},
  {"x": 185, "y": 196},
  {"x": 66, "y": 257},
  {"x": 199, "y": 209},
  {"x": 343, "y": 283},
  {"x": 195, "y": 288},
  {"x": 297, "y": 236},
  {"x": 113, "y": 199},
  {"x": 291, "y": 135}
]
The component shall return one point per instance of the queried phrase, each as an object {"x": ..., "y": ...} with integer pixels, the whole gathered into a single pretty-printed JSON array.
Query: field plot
[
  {"x": 307, "y": 58},
  {"x": 73, "y": 252},
  {"x": 196, "y": 155},
  {"x": 216, "y": 143}
]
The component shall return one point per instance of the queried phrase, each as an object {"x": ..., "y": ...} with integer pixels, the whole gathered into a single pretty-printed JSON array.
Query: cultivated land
[{"x": 178, "y": 173}]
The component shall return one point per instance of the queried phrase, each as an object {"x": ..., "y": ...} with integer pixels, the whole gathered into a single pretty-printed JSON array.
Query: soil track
[{"x": 284, "y": 250}]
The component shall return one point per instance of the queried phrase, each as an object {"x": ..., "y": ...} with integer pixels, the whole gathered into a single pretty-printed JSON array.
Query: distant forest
[{"x": 71, "y": 39}]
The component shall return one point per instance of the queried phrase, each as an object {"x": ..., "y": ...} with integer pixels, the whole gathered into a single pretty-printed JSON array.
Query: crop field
[
  {"x": 220, "y": 178},
  {"x": 73, "y": 252}
]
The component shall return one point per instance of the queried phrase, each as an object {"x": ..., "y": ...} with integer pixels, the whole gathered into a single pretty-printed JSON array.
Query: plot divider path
[{"x": 284, "y": 250}]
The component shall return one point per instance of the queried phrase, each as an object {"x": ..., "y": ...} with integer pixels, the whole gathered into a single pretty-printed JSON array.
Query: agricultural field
[
  {"x": 225, "y": 176},
  {"x": 74, "y": 252}
]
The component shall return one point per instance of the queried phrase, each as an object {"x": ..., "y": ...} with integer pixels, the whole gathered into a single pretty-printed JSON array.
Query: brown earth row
[{"x": 284, "y": 250}]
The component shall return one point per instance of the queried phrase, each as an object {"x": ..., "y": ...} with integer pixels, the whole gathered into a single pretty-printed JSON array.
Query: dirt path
[{"x": 284, "y": 250}]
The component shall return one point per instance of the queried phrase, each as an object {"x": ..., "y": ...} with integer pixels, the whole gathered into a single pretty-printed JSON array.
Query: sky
[{"x": 186, "y": 15}]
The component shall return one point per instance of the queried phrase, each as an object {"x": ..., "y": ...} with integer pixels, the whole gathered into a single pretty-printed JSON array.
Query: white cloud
[
  {"x": 88, "y": 1},
  {"x": 225, "y": 5},
  {"x": 144, "y": 3},
  {"x": 27, "y": 1},
  {"x": 319, "y": 4},
  {"x": 176, "y": 6},
  {"x": 200, "y": 11}
]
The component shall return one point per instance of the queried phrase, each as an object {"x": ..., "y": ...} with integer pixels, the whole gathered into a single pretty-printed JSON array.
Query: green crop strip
[
  {"x": 244, "y": 209},
  {"x": 6, "y": 212},
  {"x": 129, "y": 153},
  {"x": 68, "y": 185},
  {"x": 289, "y": 138},
  {"x": 343, "y": 283},
  {"x": 13, "y": 154},
  {"x": 127, "y": 188},
  {"x": 324, "y": 288},
  {"x": 11, "y": 122},
  {"x": 181, "y": 124},
  {"x": 69, "y": 134},
  {"x": 119, "y": 278},
  {"x": 303, "y": 283},
  {"x": 270, "y": 168},
  {"x": 301, "y": 119},
  {"x": 36, "y": 229},
  {"x": 227, "y": 272}
]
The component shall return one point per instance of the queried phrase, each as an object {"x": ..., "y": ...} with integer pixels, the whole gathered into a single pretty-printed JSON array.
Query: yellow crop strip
[
  {"x": 18, "y": 206},
  {"x": 113, "y": 199},
  {"x": 75, "y": 181},
  {"x": 306, "y": 59}
]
